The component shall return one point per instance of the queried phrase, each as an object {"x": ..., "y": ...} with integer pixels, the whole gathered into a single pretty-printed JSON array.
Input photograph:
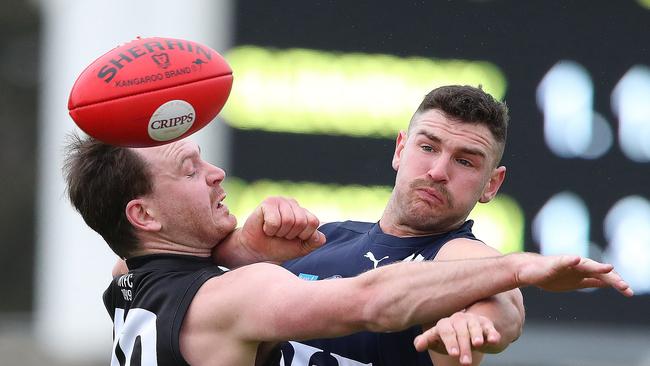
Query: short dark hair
[
  {"x": 101, "y": 179},
  {"x": 471, "y": 105}
]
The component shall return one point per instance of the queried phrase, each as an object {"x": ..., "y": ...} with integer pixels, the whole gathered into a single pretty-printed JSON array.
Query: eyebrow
[
  {"x": 188, "y": 156},
  {"x": 463, "y": 149}
]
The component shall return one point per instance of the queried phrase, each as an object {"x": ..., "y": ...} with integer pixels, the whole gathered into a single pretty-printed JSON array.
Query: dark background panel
[
  {"x": 525, "y": 39},
  {"x": 316, "y": 158},
  {"x": 19, "y": 49}
]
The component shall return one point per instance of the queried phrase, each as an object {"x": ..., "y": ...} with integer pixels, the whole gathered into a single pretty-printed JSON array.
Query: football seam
[{"x": 146, "y": 92}]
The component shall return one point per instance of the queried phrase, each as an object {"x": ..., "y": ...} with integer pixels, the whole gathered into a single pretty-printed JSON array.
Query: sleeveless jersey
[
  {"x": 148, "y": 306},
  {"x": 352, "y": 248}
]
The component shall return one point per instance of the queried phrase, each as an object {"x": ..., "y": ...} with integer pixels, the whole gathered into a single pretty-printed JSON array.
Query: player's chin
[
  {"x": 420, "y": 208},
  {"x": 229, "y": 222},
  {"x": 223, "y": 226}
]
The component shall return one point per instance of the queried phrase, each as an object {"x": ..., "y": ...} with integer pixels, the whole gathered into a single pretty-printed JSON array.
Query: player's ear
[
  {"x": 399, "y": 147},
  {"x": 493, "y": 185},
  {"x": 141, "y": 216}
]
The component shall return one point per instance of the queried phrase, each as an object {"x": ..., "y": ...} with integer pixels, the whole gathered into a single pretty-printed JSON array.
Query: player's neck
[
  {"x": 166, "y": 247},
  {"x": 401, "y": 231}
]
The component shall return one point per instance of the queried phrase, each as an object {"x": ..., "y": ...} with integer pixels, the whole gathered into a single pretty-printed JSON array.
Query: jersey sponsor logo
[
  {"x": 308, "y": 277},
  {"x": 135, "y": 338},
  {"x": 413, "y": 258},
  {"x": 298, "y": 354},
  {"x": 375, "y": 262}
]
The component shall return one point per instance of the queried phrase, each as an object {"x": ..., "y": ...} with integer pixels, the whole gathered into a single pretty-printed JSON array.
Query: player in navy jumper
[{"x": 446, "y": 162}]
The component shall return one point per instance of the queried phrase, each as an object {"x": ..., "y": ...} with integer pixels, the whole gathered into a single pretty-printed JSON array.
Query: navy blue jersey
[
  {"x": 148, "y": 306},
  {"x": 352, "y": 248}
]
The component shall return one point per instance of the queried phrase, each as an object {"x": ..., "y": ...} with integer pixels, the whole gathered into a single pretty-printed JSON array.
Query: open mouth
[{"x": 220, "y": 199}]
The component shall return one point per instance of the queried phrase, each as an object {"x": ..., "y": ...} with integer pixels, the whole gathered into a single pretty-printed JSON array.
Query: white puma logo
[{"x": 375, "y": 262}]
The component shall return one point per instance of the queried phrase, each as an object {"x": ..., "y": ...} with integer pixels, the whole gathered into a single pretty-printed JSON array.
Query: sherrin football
[{"x": 150, "y": 91}]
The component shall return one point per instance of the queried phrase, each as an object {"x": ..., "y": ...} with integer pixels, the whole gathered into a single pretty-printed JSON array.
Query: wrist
[
  {"x": 514, "y": 264},
  {"x": 526, "y": 268},
  {"x": 232, "y": 251}
]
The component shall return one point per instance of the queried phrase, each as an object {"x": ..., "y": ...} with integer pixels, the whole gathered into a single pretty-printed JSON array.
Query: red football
[{"x": 150, "y": 91}]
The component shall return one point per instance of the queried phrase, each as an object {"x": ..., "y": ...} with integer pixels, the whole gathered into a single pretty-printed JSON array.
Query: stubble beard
[{"x": 207, "y": 233}]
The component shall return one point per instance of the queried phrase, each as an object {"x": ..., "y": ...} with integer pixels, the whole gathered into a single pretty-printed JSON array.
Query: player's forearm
[
  {"x": 506, "y": 311},
  {"x": 405, "y": 294}
]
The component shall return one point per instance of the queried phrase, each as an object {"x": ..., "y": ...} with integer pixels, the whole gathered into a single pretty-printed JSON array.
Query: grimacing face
[
  {"x": 444, "y": 167},
  {"x": 187, "y": 195}
]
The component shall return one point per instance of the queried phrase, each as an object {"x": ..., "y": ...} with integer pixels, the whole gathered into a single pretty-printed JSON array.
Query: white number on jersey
[
  {"x": 305, "y": 355},
  {"x": 135, "y": 338}
]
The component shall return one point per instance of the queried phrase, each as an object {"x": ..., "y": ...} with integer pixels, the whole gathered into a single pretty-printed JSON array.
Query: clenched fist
[{"x": 279, "y": 229}]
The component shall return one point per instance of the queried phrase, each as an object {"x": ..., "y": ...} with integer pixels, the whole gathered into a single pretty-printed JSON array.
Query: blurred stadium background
[{"x": 321, "y": 89}]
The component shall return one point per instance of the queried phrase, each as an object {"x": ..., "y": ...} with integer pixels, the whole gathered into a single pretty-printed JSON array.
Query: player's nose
[
  {"x": 215, "y": 175},
  {"x": 439, "y": 170}
]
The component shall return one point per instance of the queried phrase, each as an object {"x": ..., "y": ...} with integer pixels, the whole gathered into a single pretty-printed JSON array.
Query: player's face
[
  {"x": 443, "y": 168},
  {"x": 187, "y": 195}
]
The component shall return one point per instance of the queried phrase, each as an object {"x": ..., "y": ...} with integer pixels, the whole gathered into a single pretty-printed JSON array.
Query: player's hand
[
  {"x": 567, "y": 273},
  {"x": 458, "y": 335},
  {"x": 279, "y": 230}
]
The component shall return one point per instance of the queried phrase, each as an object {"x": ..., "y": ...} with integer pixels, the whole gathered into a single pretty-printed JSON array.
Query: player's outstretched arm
[
  {"x": 279, "y": 229},
  {"x": 270, "y": 304}
]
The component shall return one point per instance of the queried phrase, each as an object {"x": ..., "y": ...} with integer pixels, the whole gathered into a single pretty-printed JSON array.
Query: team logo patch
[{"x": 308, "y": 277}]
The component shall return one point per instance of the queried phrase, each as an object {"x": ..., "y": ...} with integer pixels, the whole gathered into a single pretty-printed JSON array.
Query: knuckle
[
  {"x": 444, "y": 322},
  {"x": 272, "y": 222},
  {"x": 312, "y": 220},
  {"x": 447, "y": 332},
  {"x": 300, "y": 221}
]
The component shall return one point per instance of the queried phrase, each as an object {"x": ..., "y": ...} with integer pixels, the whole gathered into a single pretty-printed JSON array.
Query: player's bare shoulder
[
  {"x": 463, "y": 248},
  {"x": 214, "y": 323},
  {"x": 221, "y": 299}
]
